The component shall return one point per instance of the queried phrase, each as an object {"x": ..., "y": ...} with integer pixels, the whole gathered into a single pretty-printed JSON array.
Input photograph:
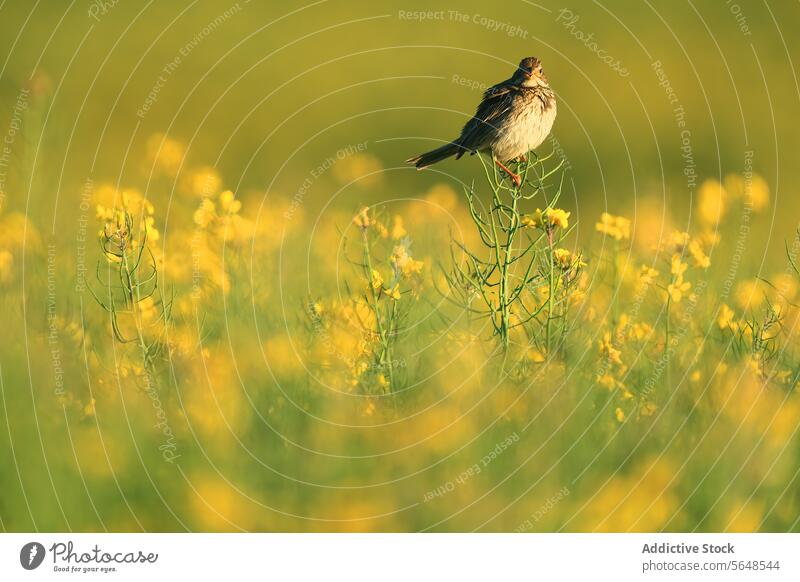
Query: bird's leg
[{"x": 514, "y": 177}]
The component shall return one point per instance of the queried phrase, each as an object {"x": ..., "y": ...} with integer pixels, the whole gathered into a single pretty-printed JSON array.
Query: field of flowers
[
  {"x": 228, "y": 305},
  {"x": 452, "y": 361}
]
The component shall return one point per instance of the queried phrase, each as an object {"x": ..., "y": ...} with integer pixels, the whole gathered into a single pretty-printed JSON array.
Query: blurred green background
[{"x": 264, "y": 93}]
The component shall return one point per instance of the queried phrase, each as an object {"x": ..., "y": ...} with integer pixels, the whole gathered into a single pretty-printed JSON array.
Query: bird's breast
[{"x": 525, "y": 128}]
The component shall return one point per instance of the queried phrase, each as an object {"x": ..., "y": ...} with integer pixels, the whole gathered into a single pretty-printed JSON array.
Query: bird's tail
[{"x": 433, "y": 156}]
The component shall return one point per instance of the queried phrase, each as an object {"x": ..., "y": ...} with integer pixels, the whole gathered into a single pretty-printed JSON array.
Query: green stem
[
  {"x": 550, "y": 292},
  {"x": 135, "y": 297},
  {"x": 382, "y": 335}
]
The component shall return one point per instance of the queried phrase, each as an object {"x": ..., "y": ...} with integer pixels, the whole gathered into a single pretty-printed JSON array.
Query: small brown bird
[{"x": 513, "y": 118}]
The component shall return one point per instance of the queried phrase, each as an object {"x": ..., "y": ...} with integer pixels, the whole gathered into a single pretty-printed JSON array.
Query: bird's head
[{"x": 529, "y": 73}]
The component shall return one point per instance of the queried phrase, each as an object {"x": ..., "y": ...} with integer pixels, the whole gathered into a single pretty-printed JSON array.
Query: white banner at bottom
[{"x": 389, "y": 557}]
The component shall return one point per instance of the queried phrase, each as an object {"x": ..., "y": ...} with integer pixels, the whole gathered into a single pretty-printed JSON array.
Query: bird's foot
[{"x": 514, "y": 177}]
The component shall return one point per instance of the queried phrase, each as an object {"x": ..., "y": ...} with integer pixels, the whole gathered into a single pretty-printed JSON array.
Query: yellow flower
[
  {"x": 536, "y": 355},
  {"x": 377, "y": 280},
  {"x": 607, "y": 381},
  {"x": 393, "y": 293},
  {"x": 700, "y": 258},
  {"x": 648, "y": 408},
  {"x": 152, "y": 231},
  {"x": 712, "y": 202},
  {"x": 204, "y": 182},
  {"x": 104, "y": 214},
  {"x": 608, "y": 350},
  {"x": 551, "y": 217},
  {"x": 383, "y": 382},
  {"x": 363, "y": 169},
  {"x": 725, "y": 318},
  {"x": 748, "y": 295},
  {"x": 383, "y": 232},
  {"x": 228, "y": 203},
  {"x": 205, "y": 214},
  {"x": 640, "y": 331},
  {"x": 678, "y": 268},
  {"x": 567, "y": 260},
  {"x": 362, "y": 219},
  {"x": 165, "y": 153},
  {"x": 404, "y": 264},
  {"x": 563, "y": 258},
  {"x": 647, "y": 274},
  {"x": 533, "y": 220},
  {"x": 616, "y": 227},
  {"x": 557, "y": 218},
  {"x": 360, "y": 368},
  {"x": 677, "y": 288},
  {"x": 619, "y": 414},
  {"x": 89, "y": 409},
  {"x": 679, "y": 240},
  {"x": 398, "y": 230},
  {"x": 753, "y": 191},
  {"x": 6, "y": 264}
]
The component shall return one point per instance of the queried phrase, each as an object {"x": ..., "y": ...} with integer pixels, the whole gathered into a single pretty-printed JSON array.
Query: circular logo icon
[{"x": 31, "y": 555}]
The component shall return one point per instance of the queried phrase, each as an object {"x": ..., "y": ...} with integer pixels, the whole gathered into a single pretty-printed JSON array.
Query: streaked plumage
[{"x": 513, "y": 118}]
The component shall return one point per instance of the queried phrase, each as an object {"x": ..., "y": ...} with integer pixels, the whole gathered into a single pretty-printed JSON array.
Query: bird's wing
[{"x": 497, "y": 101}]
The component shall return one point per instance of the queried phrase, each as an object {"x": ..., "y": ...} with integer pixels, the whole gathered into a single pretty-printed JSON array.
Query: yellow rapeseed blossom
[
  {"x": 725, "y": 317},
  {"x": 104, "y": 214},
  {"x": 393, "y": 293},
  {"x": 536, "y": 356},
  {"x": 562, "y": 258},
  {"x": 398, "y": 230},
  {"x": 753, "y": 191},
  {"x": 165, "y": 154},
  {"x": 382, "y": 231},
  {"x": 678, "y": 240},
  {"x": 678, "y": 267},
  {"x": 748, "y": 295},
  {"x": 758, "y": 191},
  {"x": 712, "y": 201},
  {"x": 677, "y": 288},
  {"x": 557, "y": 218},
  {"x": 377, "y": 280},
  {"x": 648, "y": 408},
  {"x": 152, "y": 232},
  {"x": 363, "y": 169},
  {"x": 647, "y": 274},
  {"x": 566, "y": 259},
  {"x": 549, "y": 218},
  {"x": 616, "y": 227},
  {"x": 362, "y": 219},
  {"x": 403, "y": 264},
  {"x": 205, "y": 214},
  {"x": 700, "y": 258},
  {"x": 619, "y": 414},
  {"x": 640, "y": 331},
  {"x": 533, "y": 220},
  {"x": 229, "y": 203},
  {"x": 6, "y": 264},
  {"x": 204, "y": 182},
  {"x": 383, "y": 382},
  {"x": 608, "y": 350}
]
